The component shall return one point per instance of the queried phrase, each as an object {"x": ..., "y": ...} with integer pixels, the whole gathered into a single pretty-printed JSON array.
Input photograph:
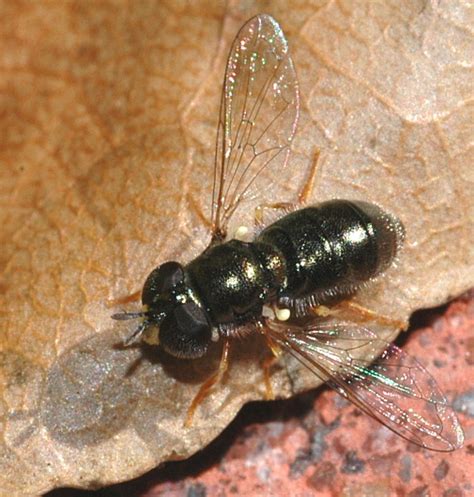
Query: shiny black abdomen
[
  {"x": 333, "y": 247},
  {"x": 327, "y": 249}
]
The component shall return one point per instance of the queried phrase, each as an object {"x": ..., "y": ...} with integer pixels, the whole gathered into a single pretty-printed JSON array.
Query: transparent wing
[
  {"x": 393, "y": 388},
  {"x": 258, "y": 115}
]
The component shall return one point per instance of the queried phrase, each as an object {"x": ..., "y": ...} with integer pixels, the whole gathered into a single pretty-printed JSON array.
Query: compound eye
[
  {"x": 161, "y": 280},
  {"x": 185, "y": 332}
]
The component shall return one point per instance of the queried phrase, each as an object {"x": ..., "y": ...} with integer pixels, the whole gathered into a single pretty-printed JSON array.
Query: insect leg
[
  {"x": 360, "y": 313},
  {"x": 286, "y": 207},
  {"x": 308, "y": 187},
  {"x": 133, "y": 297},
  {"x": 195, "y": 206},
  {"x": 207, "y": 386},
  {"x": 283, "y": 207},
  {"x": 267, "y": 364}
]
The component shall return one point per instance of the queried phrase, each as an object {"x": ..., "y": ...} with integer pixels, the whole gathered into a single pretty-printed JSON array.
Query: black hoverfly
[{"x": 275, "y": 284}]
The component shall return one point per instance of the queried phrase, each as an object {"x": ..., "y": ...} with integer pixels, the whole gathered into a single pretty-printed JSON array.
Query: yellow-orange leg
[
  {"x": 133, "y": 297},
  {"x": 362, "y": 313},
  {"x": 196, "y": 207},
  {"x": 308, "y": 187},
  {"x": 286, "y": 207},
  {"x": 207, "y": 386},
  {"x": 267, "y": 365}
]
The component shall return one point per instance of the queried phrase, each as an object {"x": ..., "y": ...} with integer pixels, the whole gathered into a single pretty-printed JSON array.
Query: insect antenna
[
  {"x": 124, "y": 316},
  {"x": 136, "y": 334},
  {"x": 138, "y": 331}
]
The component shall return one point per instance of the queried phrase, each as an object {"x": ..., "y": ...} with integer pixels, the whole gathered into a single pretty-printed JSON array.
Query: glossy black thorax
[{"x": 234, "y": 279}]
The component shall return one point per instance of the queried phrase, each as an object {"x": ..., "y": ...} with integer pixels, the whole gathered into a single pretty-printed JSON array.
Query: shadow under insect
[{"x": 98, "y": 387}]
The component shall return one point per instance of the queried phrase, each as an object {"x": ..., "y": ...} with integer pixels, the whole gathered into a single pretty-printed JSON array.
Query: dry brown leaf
[{"x": 108, "y": 116}]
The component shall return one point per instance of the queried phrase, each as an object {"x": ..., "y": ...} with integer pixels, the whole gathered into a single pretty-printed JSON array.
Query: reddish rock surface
[{"x": 318, "y": 444}]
